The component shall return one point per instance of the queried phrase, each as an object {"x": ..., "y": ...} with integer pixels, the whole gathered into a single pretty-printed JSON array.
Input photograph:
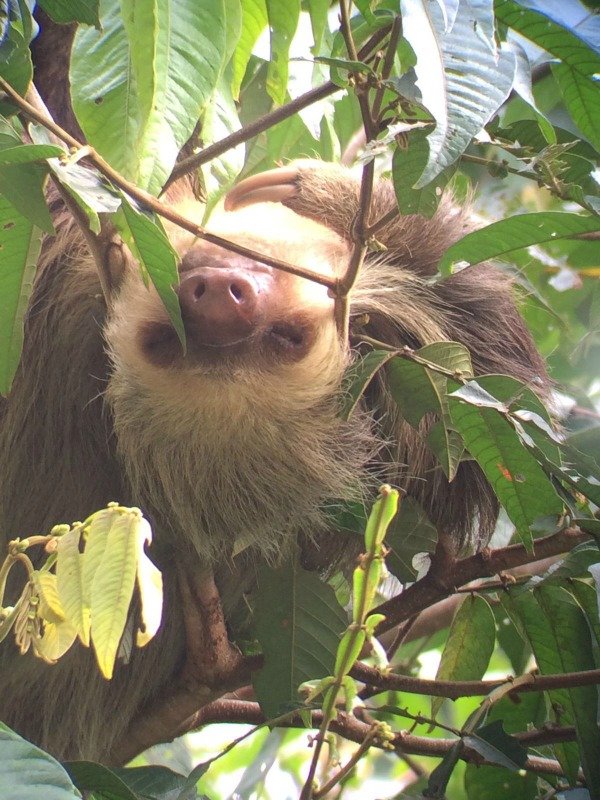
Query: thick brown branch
[
  {"x": 355, "y": 730},
  {"x": 441, "y": 582},
  {"x": 455, "y": 689}
]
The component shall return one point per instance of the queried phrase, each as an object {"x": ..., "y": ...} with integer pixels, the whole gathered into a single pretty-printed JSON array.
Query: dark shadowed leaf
[
  {"x": 469, "y": 646},
  {"x": 410, "y": 533},
  {"x": 26, "y": 772},
  {"x": 20, "y": 242},
  {"x": 298, "y": 622}
]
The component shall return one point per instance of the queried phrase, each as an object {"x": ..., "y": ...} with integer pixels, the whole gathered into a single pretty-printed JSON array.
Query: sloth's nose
[{"x": 220, "y": 306}]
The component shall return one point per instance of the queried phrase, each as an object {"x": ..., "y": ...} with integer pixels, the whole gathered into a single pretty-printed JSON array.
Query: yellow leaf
[
  {"x": 50, "y": 608},
  {"x": 70, "y": 584},
  {"x": 55, "y": 641},
  {"x": 113, "y": 583}
]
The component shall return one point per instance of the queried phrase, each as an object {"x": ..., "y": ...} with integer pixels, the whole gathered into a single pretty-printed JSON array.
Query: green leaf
[
  {"x": 358, "y": 376},
  {"x": 88, "y": 776},
  {"x": 495, "y": 783},
  {"x": 418, "y": 390},
  {"x": 69, "y": 579},
  {"x": 152, "y": 247},
  {"x": 560, "y": 640},
  {"x": 64, "y": 11},
  {"x": 407, "y": 167},
  {"x": 298, "y": 622},
  {"x": 519, "y": 482},
  {"x": 25, "y": 771},
  {"x": 140, "y": 84},
  {"x": 22, "y": 154},
  {"x": 580, "y": 64},
  {"x": 410, "y": 533},
  {"x": 20, "y": 244},
  {"x": 522, "y": 230},
  {"x": 254, "y": 21},
  {"x": 283, "y": 21},
  {"x": 23, "y": 186},
  {"x": 469, "y": 646},
  {"x": 221, "y": 119},
  {"x": 15, "y": 66},
  {"x": 495, "y": 745},
  {"x": 462, "y": 77}
]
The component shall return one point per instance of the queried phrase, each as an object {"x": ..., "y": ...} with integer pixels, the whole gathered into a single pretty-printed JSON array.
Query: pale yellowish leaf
[
  {"x": 70, "y": 583},
  {"x": 112, "y": 587},
  {"x": 50, "y": 608},
  {"x": 55, "y": 641}
]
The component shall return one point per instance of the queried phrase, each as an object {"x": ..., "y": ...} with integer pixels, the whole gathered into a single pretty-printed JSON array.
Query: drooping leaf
[
  {"x": 576, "y": 74},
  {"x": 27, "y": 772},
  {"x": 69, "y": 579},
  {"x": 522, "y": 230},
  {"x": 560, "y": 640},
  {"x": 298, "y": 622},
  {"x": 140, "y": 84},
  {"x": 254, "y": 21},
  {"x": 283, "y": 20},
  {"x": 410, "y": 533},
  {"x": 495, "y": 745},
  {"x": 151, "y": 245},
  {"x": 113, "y": 583},
  {"x": 64, "y": 11},
  {"x": 469, "y": 646},
  {"x": 462, "y": 78},
  {"x": 358, "y": 376},
  {"x": 519, "y": 482},
  {"x": 20, "y": 243}
]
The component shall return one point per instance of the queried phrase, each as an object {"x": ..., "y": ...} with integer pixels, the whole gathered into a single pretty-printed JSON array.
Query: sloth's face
[{"x": 245, "y": 323}]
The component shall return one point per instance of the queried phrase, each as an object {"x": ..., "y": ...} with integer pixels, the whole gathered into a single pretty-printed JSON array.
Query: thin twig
[
  {"x": 268, "y": 120},
  {"x": 153, "y": 204}
]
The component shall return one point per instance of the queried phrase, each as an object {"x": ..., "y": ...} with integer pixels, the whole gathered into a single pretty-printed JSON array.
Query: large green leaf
[
  {"x": 519, "y": 482},
  {"x": 26, "y": 772},
  {"x": 254, "y": 21},
  {"x": 560, "y": 639},
  {"x": 20, "y": 242},
  {"x": 298, "y": 622},
  {"x": 283, "y": 21},
  {"x": 503, "y": 237},
  {"x": 469, "y": 646},
  {"x": 23, "y": 186},
  {"x": 462, "y": 77},
  {"x": 64, "y": 11},
  {"x": 579, "y": 67},
  {"x": 151, "y": 245},
  {"x": 140, "y": 84}
]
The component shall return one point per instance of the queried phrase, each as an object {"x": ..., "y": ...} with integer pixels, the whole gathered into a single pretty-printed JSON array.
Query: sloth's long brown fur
[{"x": 243, "y": 462}]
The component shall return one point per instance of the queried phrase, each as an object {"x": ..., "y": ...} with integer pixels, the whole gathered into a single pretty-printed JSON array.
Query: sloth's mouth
[
  {"x": 282, "y": 341},
  {"x": 287, "y": 335}
]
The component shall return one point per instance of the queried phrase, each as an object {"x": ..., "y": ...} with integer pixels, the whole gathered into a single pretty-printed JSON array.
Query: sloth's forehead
[{"x": 274, "y": 230}]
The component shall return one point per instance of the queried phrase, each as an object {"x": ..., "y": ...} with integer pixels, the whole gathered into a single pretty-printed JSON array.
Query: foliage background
[{"x": 505, "y": 109}]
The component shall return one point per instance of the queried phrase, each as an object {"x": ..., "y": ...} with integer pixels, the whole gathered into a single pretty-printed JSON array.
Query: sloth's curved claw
[{"x": 275, "y": 186}]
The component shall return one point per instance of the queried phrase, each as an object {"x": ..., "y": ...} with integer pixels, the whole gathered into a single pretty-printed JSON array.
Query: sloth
[{"x": 234, "y": 447}]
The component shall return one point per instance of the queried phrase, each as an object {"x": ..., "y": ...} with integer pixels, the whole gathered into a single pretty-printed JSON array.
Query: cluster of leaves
[
  {"x": 451, "y": 98},
  {"x": 84, "y": 588}
]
